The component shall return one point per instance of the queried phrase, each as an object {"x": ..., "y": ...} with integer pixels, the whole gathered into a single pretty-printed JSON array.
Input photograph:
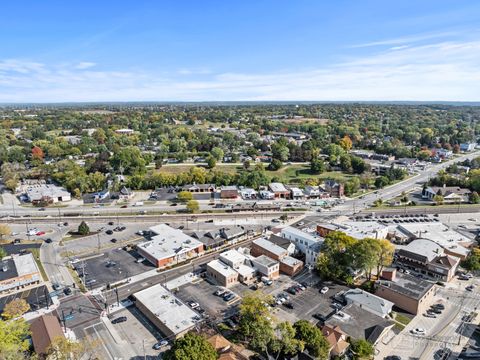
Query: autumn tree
[
  {"x": 184, "y": 196},
  {"x": 193, "y": 206},
  {"x": 37, "y": 153},
  {"x": 346, "y": 143},
  {"x": 4, "y": 230},
  {"x": 15, "y": 308}
]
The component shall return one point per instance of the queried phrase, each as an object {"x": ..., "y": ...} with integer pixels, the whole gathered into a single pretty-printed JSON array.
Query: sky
[{"x": 244, "y": 50}]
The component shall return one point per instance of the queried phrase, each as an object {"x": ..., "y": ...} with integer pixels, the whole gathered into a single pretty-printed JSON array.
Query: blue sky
[{"x": 239, "y": 50}]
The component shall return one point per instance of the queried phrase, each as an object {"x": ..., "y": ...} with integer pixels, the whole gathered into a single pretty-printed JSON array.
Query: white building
[
  {"x": 169, "y": 246},
  {"x": 363, "y": 229},
  {"x": 46, "y": 192},
  {"x": 232, "y": 258},
  {"x": 18, "y": 271},
  {"x": 266, "y": 266},
  {"x": 301, "y": 239},
  {"x": 296, "y": 193},
  {"x": 172, "y": 317}
]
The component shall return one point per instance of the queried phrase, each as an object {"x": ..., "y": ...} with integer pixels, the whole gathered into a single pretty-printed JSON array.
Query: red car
[{"x": 40, "y": 233}]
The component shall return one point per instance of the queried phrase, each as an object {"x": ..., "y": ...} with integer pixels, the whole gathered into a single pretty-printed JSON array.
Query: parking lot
[
  {"x": 138, "y": 330},
  {"x": 112, "y": 266},
  {"x": 306, "y": 303},
  {"x": 35, "y": 297}
]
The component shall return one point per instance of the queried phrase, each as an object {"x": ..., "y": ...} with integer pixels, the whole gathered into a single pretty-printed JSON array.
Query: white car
[
  {"x": 418, "y": 331},
  {"x": 324, "y": 290},
  {"x": 301, "y": 223}
]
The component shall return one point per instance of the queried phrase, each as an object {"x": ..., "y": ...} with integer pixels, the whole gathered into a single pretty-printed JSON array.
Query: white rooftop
[
  {"x": 277, "y": 187},
  {"x": 38, "y": 191},
  {"x": 363, "y": 229},
  {"x": 423, "y": 247},
  {"x": 269, "y": 246},
  {"x": 290, "y": 261},
  {"x": 369, "y": 302},
  {"x": 311, "y": 237},
  {"x": 245, "y": 270},
  {"x": 168, "y": 242},
  {"x": 439, "y": 233},
  {"x": 264, "y": 260},
  {"x": 25, "y": 264},
  {"x": 221, "y": 268},
  {"x": 233, "y": 256},
  {"x": 173, "y": 313}
]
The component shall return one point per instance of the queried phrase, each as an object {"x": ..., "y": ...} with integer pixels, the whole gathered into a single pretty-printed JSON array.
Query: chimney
[{"x": 389, "y": 274}]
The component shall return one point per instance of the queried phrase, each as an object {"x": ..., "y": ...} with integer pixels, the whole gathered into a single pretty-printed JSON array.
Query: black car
[
  {"x": 109, "y": 232},
  {"x": 113, "y": 240},
  {"x": 67, "y": 291},
  {"x": 288, "y": 305},
  {"x": 48, "y": 241},
  {"x": 111, "y": 223},
  {"x": 438, "y": 306},
  {"x": 119, "y": 320},
  {"x": 393, "y": 357},
  {"x": 56, "y": 286},
  {"x": 319, "y": 316},
  {"x": 65, "y": 224}
]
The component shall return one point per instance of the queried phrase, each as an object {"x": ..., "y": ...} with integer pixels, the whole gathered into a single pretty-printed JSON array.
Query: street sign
[{"x": 69, "y": 317}]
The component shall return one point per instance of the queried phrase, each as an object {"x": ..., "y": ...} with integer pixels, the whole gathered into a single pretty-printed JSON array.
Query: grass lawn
[
  {"x": 36, "y": 255},
  {"x": 402, "y": 319}
]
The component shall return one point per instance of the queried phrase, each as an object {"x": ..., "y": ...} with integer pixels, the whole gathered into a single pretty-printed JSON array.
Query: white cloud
[
  {"x": 84, "y": 65},
  {"x": 448, "y": 71}
]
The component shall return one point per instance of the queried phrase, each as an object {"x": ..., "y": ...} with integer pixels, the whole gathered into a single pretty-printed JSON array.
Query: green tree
[
  {"x": 285, "y": 342},
  {"x": 275, "y": 165},
  {"x": 313, "y": 339},
  {"x": 184, "y": 196},
  {"x": 255, "y": 321},
  {"x": 14, "y": 338},
  {"x": 475, "y": 198},
  {"x": 191, "y": 347},
  {"x": 472, "y": 262},
  {"x": 317, "y": 166},
  {"x": 211, "y": 162},
  {"x": 3, "y": 253},
  {"x": 366, "y": 255},
  {"x": 385, "y": 255},
  {"x": 83, "y": 228},
  {"x": 438, "y": 199},
  {"x": 217, "y": 153},
  {"x": 193, "y": 206},
  {"x": 362, "y": 349}
]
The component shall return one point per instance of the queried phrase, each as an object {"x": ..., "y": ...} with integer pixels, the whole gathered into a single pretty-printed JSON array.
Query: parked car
[
  {"x": 319, "y": 316},
  {"x": 67, "y": 291},
  {"x": 470, "y": 287},
  {"x": 324, "y": 290},
  {"x": 288, "y": 305},
  {"x": 111, "y": 223},
  {"x": 393, "y": 357},
  {"x": 228, "y": 297},
  {"x": 119, "y": 320},
  {"x": 109, "y": 232},
  {"x": 193, "y": 304},
  {"x": 219, "y": 292},
  {"x": 292, "y": 291},
  {"x": 113, "y": 240},
  {"x": 140, "y": 260},
  {"x": 438, "y": 306},
  {"x": 418, "y": 331},
  {"x": 40, "y": 233},
  {"x": 430, "y": 315},
  {"x": 56, "y": 286}
]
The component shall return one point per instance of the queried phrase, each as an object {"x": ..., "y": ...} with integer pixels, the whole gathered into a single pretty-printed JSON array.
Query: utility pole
[
  {"x": 47, "y": 297},
  {"x": 116, "y": 293},
  {"x": 98, "y": 242},
  {"x": 64, "y": 322}
]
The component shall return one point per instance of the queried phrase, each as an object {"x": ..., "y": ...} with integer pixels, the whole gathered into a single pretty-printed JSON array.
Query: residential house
[
  {"x": 467, "y": 147},
  {"x": 283, "y": 243},
  {"x": 44, "y": 330},
  {"x": 312, "y": 192},
  {"x": 296, "y": 193},
  {"x": 337, "y": 340},
  {"x": 450, "y": 194},
  {"x": 125, "y": 193},
  {"x": 334, "y": 188}
]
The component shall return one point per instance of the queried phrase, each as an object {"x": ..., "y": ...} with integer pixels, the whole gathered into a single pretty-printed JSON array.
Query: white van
[
  {"x": 266, "y": 281},
  {"x": 138, "y": 203}
]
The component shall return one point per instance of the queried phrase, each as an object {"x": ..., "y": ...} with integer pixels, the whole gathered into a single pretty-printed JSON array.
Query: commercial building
[
  {"x": 312, "y": 254},
  {"x": 171, "y": 316},
  {"x": 452, "y": 242},
  {"x": 279, "y": 190},
  {"x": 47, "y": 193},
  {"x": 233, "y": 234},
  {"x": 359, "y": 323},
  {"x": 233, "y": 258},
  {"x": 169, "y": 246},
  {"x": 283, "y": 243},
  {"x": 296, "y": 193},
  {"x": 290, "y": 266},
  {"x": 372, "y": 303},
  {"x": 263, "y": 246},
  {"x": 229, "y": 192},
  {"x": 17, "y": 272},
  {"x": 312, "y": 191},
  {"x": 266, "y": 266},
  {"x": 301, "y": 239},
  {"x": 334, "y": 188},
  {"x": 199, "y": 188},
  {"x": 427, "y": 257},
  {"x": 407, "y": 292},
  {"x": 221, "y": 273},
  {"x": 362, "y": 229},
  {"x": 44, "y": 330}
]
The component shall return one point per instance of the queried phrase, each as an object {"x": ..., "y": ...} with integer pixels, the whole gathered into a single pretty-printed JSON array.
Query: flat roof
[
  {"x": 361, "y": 229},
  {"x": 440, "y": 233},
  {"x": 10, "y": 269},
  {"x": 269, "y": 246},
  {"x": 168, "y": 242},
  {"x": 245, "y": 270},
  {"x": 277, "y": 187},
  {"x": 36, "y": 192},
  {"x": 408, "y": 285},
  {"x": 233, "y": 256},
  {"x": 290, "y": 261},
  {"x": 173, "y": 313},
  {"x": 221, "y": 268},
  {"x": 297, "y": 232},
  {"x": 423, "y": 247},
  {"x": 264, "y": 260},
  {"x": 25, "y": 264},
  {"x": 369, "y": 301}
]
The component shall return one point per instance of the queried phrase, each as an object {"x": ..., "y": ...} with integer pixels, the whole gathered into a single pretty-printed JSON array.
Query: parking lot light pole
[{"x": 116, "y": 293}]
